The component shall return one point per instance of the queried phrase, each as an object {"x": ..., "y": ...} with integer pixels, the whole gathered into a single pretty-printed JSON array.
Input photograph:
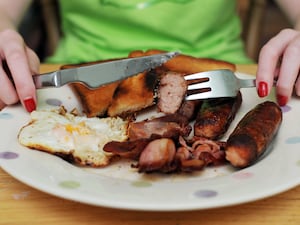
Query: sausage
[
  {"x": 189, "y": 109},
  {"x": 171, "y": 92},
  {"x": 215, "y": 116},
  {"x": 253, "y": 134},
  {"x": 158, "y": 155}
]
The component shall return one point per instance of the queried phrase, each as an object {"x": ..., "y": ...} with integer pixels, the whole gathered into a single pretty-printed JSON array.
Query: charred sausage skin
[
  {"x": 253, "y": 134},
  {"x": 215, "y": 116}
]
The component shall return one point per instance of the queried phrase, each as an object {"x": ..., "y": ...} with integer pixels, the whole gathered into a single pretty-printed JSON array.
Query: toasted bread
[
  {"x": 188, "y": 64},
  {"x": 133, "y": 94},
  {"x": 95, "y": 102}
]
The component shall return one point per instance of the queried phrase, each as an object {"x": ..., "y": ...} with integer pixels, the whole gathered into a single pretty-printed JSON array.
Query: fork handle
[{"x": 244, "y": 83}]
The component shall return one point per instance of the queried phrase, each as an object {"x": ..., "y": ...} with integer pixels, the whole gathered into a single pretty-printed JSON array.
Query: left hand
[{"x": 279, "y": 59}]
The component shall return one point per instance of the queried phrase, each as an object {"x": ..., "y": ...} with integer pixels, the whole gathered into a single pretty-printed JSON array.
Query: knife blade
[{"x": 103, "y": 73}]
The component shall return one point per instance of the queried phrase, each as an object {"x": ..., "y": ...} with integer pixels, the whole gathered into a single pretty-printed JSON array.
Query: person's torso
[{"x": 103, "y": 29}]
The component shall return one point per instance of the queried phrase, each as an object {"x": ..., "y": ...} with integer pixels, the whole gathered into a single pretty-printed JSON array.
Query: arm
[
  {"x": 22, "y": 62},
  {"x": 279, "y": 58},
  {"x": 291, "y": 8},
  {"x": 12, "y": 12}
]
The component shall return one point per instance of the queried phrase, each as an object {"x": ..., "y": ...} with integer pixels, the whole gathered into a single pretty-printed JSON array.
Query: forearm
[
  {"x": 12, "y": 12},
  {"x": 291, "y": 9}
]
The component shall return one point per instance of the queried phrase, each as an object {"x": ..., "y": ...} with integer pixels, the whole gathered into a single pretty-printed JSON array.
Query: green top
[{"x": 103, "y": 29}]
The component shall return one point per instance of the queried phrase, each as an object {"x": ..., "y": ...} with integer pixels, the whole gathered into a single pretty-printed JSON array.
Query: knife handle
[{"x": 47, "y": 80}]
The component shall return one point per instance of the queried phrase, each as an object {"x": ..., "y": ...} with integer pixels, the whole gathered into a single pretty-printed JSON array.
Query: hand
[
  {"x": 279, "y": 59},
  {"x": 22, "y": 62}
]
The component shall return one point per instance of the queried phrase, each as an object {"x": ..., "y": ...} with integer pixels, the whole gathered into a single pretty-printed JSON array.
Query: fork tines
[{"x": 211, "y": 84}]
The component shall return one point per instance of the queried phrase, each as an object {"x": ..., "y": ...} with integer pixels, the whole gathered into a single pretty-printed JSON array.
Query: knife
[{"x": 102, "y": 73}]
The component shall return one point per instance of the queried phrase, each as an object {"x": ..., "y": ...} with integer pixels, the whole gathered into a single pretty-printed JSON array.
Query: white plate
[{"x": 119, "y": 186}]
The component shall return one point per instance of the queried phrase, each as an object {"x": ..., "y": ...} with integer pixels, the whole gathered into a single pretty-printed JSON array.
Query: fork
[{"x": 215, "y": 84}]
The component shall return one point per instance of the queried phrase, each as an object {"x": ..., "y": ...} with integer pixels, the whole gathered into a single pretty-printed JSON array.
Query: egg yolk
[{"x": 79, "y": 128}]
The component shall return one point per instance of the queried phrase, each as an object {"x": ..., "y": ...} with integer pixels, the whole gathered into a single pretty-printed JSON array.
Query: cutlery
[
  {"x": 102, "y": 73},
  {"x": 215, "y": 84}
]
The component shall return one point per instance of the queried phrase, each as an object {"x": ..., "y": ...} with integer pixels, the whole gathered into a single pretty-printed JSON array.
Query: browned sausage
[
  {"x": 253, "y": 134},
  {"x": 171, "y": 92},
  {"x": 189, "y": 109},
  {"x": 158, "y": 155},
  {"x": 215, "y": 116}
]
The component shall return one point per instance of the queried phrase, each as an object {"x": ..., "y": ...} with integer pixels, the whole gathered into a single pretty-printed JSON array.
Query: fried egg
[{"x": 75, "y": 138}]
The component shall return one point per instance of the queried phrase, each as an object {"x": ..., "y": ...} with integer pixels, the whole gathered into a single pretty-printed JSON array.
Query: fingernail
[
  {"x": 262, "y": 89},
  {"x": 29, "y": 104},
  {"x": 282, "y": 100}
]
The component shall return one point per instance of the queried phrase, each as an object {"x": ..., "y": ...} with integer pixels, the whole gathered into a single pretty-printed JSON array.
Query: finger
[
  {"x": 17, "y": 61},
  {"x": 289, "y": 71},
  {"x": 269, "y": 58},
  {"x": 2, "y": 105},
  {"x": 8, "y": 93},
  {"x": 34, "y": 61},
  {"x": 297, "y": 86}
]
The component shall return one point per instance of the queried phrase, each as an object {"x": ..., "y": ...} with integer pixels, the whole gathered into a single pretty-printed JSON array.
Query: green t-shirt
[{"x": 103, "y": 29}]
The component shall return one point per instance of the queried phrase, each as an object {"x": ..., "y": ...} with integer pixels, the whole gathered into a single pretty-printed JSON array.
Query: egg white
[{"x": 77, "y": 138}]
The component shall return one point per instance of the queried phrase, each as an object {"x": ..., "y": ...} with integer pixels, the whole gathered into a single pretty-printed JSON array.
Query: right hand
[{"x": 22, "y": 63}]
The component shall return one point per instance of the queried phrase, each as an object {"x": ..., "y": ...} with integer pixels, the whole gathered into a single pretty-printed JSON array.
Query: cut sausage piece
[
  {"x": 158, "y": 155},
  {"x": 253, "y": 134},
  {"x": 171, "y": 92}
]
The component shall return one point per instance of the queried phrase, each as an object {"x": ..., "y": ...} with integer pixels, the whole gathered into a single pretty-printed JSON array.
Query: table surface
[{"x": 21, "y": 204}]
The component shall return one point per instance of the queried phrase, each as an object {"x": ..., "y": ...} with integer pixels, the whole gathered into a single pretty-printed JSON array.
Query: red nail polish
[
  {"x": 262, "y": 89},
  {"x": 282, "y": 100},
  {"x": 29, "y": 104}
]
